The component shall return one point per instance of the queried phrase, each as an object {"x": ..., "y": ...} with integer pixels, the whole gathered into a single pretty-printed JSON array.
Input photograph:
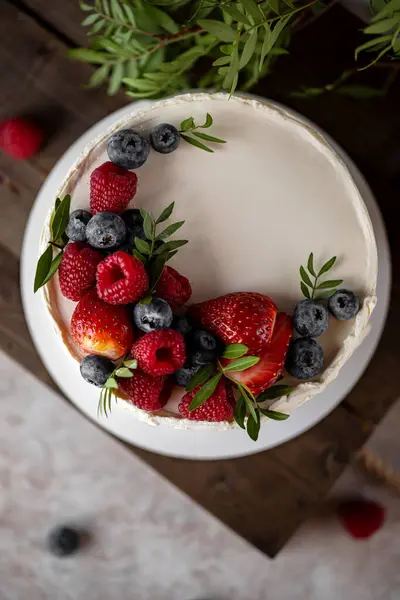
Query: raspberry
[
  {"x": 111, "y": 188},
  {"x": 146, "y": 392},
  {"x": 77, "y": 271},
  {"x": 219, "y": 406},
  {"x": 173, "y": 287},
  {"x": 160, "y": 352},
  {"x": 121, "y": 279},
  {"x": 361, "y": 518},
  {"x": 20, "y": 138}
]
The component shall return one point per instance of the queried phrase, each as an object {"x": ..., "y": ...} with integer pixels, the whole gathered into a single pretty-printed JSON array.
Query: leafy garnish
[
  {"x": 200, "y": 377},
  {"x": 235, "y": 351},
  {"x": 274, "y": 414},
  {"x": 310, "y": 279},
  {"x": 276, "y": 391},
  {"x": 123, "y": 369},
  {"x": 205, "y": 392},
  {"x": 189, "y": 126}
]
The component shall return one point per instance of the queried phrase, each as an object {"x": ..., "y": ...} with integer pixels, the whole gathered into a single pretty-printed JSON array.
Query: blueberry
[
  {"x": 182, "y": 324},
  {"x": 134, "y": 227},
  {"x": 105, "y": 231},
  {"x": 96, "y": 369},
  {"x": 305, "y": 358},
  {"x": 165, "y": 138},
  {"x": 76, "y": 228},
  {"x": 64, "y": 541},
  {"x": 344, "y": 305},
  {"x": 183, "y": 375},
  {"x": 155, "y": 315},
  {"x": 203, "y": 348},
  {"x": 128, "y": 149},
  {"x": 310, "y": 318}
]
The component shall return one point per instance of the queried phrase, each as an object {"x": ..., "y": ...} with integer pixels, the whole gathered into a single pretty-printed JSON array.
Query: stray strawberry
[
  {"x": 111, "y": 188},
  {"x": 218, "y": 407},
  {"x": 100, "y": 328},
  {"x": 20, "y": 138},
  {"x": 361, "y": 518},
  {"x": 173, "y": 287},
  {"x": 272, "y": 359},
  {"x": 121, "y": 279},
  {"x": 146, "y": 392},
  {"x": 77, "y": 270},
  {"x": 240, "y": 318},
  {"x": 160, "y": 352}
]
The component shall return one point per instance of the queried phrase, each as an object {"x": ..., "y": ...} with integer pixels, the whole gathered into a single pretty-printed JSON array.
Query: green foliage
[{"x": 383, "y": 32}]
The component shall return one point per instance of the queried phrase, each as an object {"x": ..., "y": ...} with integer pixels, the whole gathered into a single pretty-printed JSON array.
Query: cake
[{"x": 262, "y": 212}]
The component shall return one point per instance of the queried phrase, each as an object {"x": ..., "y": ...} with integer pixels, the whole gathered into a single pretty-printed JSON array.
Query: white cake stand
[{"x": 194, "y": 444}]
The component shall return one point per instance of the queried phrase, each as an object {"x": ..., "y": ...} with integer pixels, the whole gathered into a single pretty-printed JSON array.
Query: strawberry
[
  {"x": 361, "y": 518},
  {"x": 173, "y": 287},
  {"x": 20, "y": 138},
  {"x": 111, "y": 188},
  {"x": 240, "y": 318},
  {"x": 218, "y": 407},
  {"x": 121, "y": 279},
  {"x": 272, "y": 359},
  {"x": 160, "y": 352},
  {"x": 77, "y": 270},
  {"x": 146, "y": 392},
  {"x": 101, "y": 328}
]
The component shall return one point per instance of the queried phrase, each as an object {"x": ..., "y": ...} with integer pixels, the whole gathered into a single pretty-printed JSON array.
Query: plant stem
[
  {"x": 290, "y": 13},
  {"x": 56, "y": 245}
]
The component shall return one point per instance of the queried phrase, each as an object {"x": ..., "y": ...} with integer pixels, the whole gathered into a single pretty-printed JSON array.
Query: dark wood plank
[{"x": 63, "y": 16}]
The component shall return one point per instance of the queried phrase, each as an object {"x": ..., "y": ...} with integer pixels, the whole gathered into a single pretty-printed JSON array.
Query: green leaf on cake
[
  {"x": 168, "y": 246},
  {"x": 305, "y": 277},
  {"x": 208, "y": 122},
  {"x": 148, "y": 226},
  {"x": 208, "y": 138},
  {"x": 199, "y": 377},
  {"x": 309, "y": 287},
  {"x": 188, "y": 124},
  {"x": 274, "y": 414},
  {"x": 60, "y": 220},
  {"x": 55, "y": 263},
  {"x": 248, "y": 400},
  {"x": 235, "y": 351},
  {"x": 111, "y": 383},
  {"x": 194, "y": 142},
  {"x": 310, "y": 264},
  {"x": 276, "y": 391},
  {"x": 305, "y": 290},
  {"x": 123, "y": 372},
  {"x": 142, "y": 246},
  {"x": 253, "y": 425},
  {"x": 326, "y": 285},
  {"x": 205, "y": 392},
  {"x": 241, "y": 364},
  {"x": 327, "y": 266},
  {"x": 43, "y": 268},
  {"x": 240, "y": 412},
  {"x": 166, "y": 213},
  {"x": 170, "y": 230},
  {"x": 131, "y": 363}
]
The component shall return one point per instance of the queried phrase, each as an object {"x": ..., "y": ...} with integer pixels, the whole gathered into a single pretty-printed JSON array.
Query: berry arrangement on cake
[{"x": 236, "y": 358}]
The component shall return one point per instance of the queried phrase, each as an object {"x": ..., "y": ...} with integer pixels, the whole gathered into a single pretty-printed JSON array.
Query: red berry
[
  {"x": 160, "y": 352},
  {"x": 146, "y": 392},
  {"x": 361, "y": 518},
  {"x": 121, "y": 279},
  {"x": 111, "y": 188},
  {"x": 77, "y": 270},
  {"x": 100, "y": 328},
  {"x": 219, "y": 407},
  {"x": 173, "y": 287},
  {"x": 20, "y": 138}
]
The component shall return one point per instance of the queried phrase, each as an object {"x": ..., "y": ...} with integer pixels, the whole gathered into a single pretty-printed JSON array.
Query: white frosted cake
[{"x": 254, "y": 210}]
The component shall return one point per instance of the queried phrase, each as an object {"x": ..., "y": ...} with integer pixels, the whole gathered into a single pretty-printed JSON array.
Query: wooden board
[{"x": 266, "y": 496}]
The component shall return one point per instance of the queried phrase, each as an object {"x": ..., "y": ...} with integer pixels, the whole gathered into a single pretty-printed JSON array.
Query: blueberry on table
[
  {"x": 64, "y": 541},
  {"x": 152, "y": 316},
  {"x": 344, "y": 305},
  {"x": 310, "y": 318},
  {"x": 165, "y": 138},
  {"x": 305, "y": 358},
  {"x": 128, "y": 149},
  {"x": 182, "y": 324},
  {"x": 96, "y": 369},
  {"x": 203, "y": 348},
  {"x": 105, "y": 231},
  {"x": 76, "y": 228},
  {"x": 183, "y": 375}
]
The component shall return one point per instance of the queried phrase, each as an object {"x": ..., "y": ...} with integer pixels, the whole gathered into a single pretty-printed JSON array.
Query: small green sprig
[
  {"x": 124, "y": 369},
  {"x": 188, "y": 126},
  {"x": 310, "y": 283},
  {"x": 156, "y": 250},
  {"x": 247, "y": 405},
  {"x": 47, "y": 265}
]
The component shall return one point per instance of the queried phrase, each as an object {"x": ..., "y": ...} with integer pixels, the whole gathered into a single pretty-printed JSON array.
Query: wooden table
[{"x": 266, "y": 496}]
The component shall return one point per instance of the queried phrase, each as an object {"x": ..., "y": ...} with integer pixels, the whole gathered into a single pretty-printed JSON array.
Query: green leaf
[
  {"x": 305, "y": 290},
  {"x": 194, "y": 142},
  {"x": 166, "y": 213},
  {"x": 111, "y": 383},
  {"x": 333, "y": 283},
  {"x": 271, "y": 37},
  {"x": 371, "y": 43},
  {"x": 253, "y": 426},
  {"x": 310, "y": 264},
  {"x": 248, "y": 400},
  {"x": 223, "y": 60},
  {"x": 208, "y": 138},
  {"x": 305, "y": 277},
  {"x": 87, "y": 55},
  {"x": 142, "y": 246},
  {"x": 382, "y": 26},
  {"x": 162, "y": 18},
  {"x": 131, "y": 363},
  {"x": 168, "y": 246},
  {"x": 188, "y": 124},
  {"x": 123, "y": 372},
  {"x": 170, "y": 230},
  {"x": 248, "y": 49},
  {"x": 148, "y": 226},
  {"x": 359, "y": 91},
  {"x": 327, "y": 266},
  {"x": 43, "y": 268},
  {"x": 85, "y": 7},
  {"x": 240, "y": 412},
  {"x": 115, "y": 79},
  {"x": 55, "y": 263},
  {"x": 139, "y": 256},
  {"x": 326, "y": 295},
  {"x": 205, "y": 392},
  {"x": 236, "y": 14},
  {"x": 90, "y": 19},
  {"x": 99, "y": 76},
  {"x": 276, "y": 391},
  {"x": 208, "y": 122},
  {"x": 253, "y": 9},
  {"x": 274, "y": 4},
  {"x": 274, "y": 414},
  {"x": 156, "y": 270},
  {"x": 220, "y": 30},
  {"x": 241, "y": 364},
  {"x": 145, "y": 300},
  {"x": 390, "y": 7},
  {"x": 235, "y": 351},
  {"x": 226, "y": 49},
  {"x": 199, "y": 377},
  {"x": 60, "y": 220}
]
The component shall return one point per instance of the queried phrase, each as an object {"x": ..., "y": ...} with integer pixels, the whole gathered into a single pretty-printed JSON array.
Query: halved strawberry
[
  {"x": 272, "y": 359},
  {"x": 240, "y": 318}
]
